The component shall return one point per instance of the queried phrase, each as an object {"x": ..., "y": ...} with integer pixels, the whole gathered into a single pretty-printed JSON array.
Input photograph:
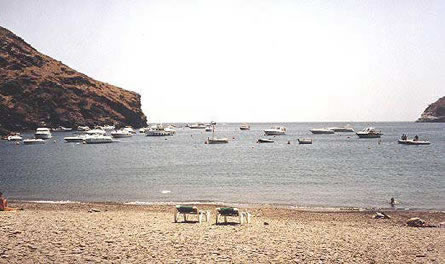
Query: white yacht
[
  {"x": 15, "y": 138},
  {"x": 304, "y": 141},
  {"x": 322, "y": 131},
  {"x": 98, "y": 139},
  {"x": 275, "y": 131},
  {"x": 43, "y": 133},
  {"x": 96, "y": 132},
  {"x": 342, "y": 129},
  {"x": 197, "y": 126},
  {"x": 78, "y": 138},
  {"x": 130, "y": 129},
  {"x": 33, "y": 141},
  {"x": 171, "y": 129},
  {"x": 122, "y": 133},
  {"x": 244, "y": 126},
  {"x": 369, "y": 132},
  {"x": 159, "y": 131}
]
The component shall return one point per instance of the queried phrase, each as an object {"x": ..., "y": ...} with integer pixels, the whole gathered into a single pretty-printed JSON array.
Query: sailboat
[{"x": 214, "y": 140}]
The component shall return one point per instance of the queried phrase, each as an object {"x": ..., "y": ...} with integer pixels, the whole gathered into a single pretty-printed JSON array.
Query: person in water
[{"x": 4, "y": 204}]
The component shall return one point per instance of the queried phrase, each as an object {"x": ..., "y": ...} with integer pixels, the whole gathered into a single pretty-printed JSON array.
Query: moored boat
[
  {"x": 208, "y": 129},
  {"x": 369, "y": 132},
  {"x": 197, "y": 126},
  {"x": 304, "y": 141},
  {"x": 74, "y": 139},
  {"x": 244, "y": 126},
  {"x": 322, "y": 131},
  {"x": 123, "y": 133},
  {"x": 31, "y": 141},
  {"x": 275, "y": 131},
  {"x": 265, "y": 140},
  {"x": 215, "y": 140},
  {"x": 43, "y": 133},
  {"x": 347, "y": 129},
  {"x": 96, "y": 131},
  {"x": 98, "y": 139},
  {"x": 15, "y": 138},
  {"x": 159, "y": 131}
]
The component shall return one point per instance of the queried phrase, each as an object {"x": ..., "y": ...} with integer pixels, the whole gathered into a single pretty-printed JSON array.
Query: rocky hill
[
  {"x": 435, "y": 112},
  {"x": 36, "y": 90}
]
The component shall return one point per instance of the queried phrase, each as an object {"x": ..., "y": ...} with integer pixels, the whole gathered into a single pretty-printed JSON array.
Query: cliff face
[
  {"x": 36, "y": 90},
  {"x": 435, "y": 112}
]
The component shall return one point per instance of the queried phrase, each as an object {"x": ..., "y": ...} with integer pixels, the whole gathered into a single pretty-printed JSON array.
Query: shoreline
[{"x": 240, "y": 205}]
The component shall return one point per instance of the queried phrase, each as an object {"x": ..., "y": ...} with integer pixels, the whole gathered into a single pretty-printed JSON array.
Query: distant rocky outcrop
[
  {"x": 36, "y": 90},
  {"x": 435, "y": 112}
]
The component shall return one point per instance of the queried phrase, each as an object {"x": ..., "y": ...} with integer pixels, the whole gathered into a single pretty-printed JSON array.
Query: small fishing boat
[
  {"x": 369, "y": 132},
  {"x": 322, "y": 131},
  {"x": 413, "y": 142},
  {"x": 215, "y": 140},
  {"x": 33, "y": 141},
  {"x": 304, "y": 141},
  {"x": 245, "y": 127},
  {"x": 275, "y": 131},
  {"x": 265, "y": 140}
]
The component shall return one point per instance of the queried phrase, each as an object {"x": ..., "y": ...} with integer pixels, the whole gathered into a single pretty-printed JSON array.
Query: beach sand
[{"x": 68, "y": 233}]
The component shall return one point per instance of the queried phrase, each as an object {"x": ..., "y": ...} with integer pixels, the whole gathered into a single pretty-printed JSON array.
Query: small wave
[
  {"x": 165, "y": 191},
  {"x": 55, "y": 202}
]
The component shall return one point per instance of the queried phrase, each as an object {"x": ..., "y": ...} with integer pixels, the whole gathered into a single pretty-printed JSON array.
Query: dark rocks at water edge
[
  {"x": 36, "y": 90},
  {"x": 435, "y": 112}
]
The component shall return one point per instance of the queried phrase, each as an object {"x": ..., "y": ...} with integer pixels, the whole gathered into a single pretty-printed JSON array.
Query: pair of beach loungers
[{"x": 220, "y": 212}]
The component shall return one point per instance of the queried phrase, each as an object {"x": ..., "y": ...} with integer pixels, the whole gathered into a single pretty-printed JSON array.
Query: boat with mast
[{"x": 214, "y": 140}]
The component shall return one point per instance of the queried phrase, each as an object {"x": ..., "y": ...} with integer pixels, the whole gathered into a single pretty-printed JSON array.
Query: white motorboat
[
  {"x": 342, "y": 129},
  {"x": 275, "y": 131},
  {"x": 142, "y": 130},
  {"x": 123, "y": 133},
  {"x": 43, "y": 133},
  {"x": 98, "y": 139},
  {"x": 74, "y": 139},
  {"x": 15, "y": 138},
  {"x": 130, "y": 129},
  {"x": 96, "y": 132},
  {"x": 265, "y": 140},
  {"x": 197, "y": 126},
  {"x": 413, "y": 142},
  {"x": 171, "y": 129},
  {"x": 208, "y": 129},
  {"x": 159, "y": 131},
  {"x": 33, "y": 141},
  {"x": 369, "y": 132},
  {"x": 244, "y": 127},
  {"x": 62, "y": 129},
  {"x": 322, "y": 131},
  {"x": 215, "y": 140},
  {"x": 83, "y": 128},
  {"x": 108, "y": 127},
  {"x": 304, "y": 141}
]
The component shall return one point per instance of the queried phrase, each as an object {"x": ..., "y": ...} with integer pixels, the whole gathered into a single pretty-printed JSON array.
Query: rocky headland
[
  {"x": 435, "y": 112},
  {"x": 36, "y": 90}
]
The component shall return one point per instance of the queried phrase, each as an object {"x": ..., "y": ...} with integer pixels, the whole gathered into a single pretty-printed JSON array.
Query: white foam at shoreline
[{"x": 55, "y": 202}]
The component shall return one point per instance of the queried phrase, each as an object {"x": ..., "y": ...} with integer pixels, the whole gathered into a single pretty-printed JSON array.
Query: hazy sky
[{"x": 250, "y": 60}]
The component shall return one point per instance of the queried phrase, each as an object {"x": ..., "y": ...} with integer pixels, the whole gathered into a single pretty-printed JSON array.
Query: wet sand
[{"x": 68, "y": 233}]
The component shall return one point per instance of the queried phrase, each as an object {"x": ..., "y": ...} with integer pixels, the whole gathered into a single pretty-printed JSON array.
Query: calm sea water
[{"x": 336, "y": 170}]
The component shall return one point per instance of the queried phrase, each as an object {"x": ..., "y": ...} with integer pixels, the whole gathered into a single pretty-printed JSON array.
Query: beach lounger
[
  {"x": 191, "y": 210},
  {"x": 232, "y": 212}
]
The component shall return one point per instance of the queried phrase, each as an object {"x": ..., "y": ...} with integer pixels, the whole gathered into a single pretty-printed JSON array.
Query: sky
[{"x": 249, "y": 60}]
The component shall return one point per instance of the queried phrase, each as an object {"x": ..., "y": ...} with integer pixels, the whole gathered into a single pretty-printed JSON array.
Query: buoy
[
  {"x": 205, "y": 142},
  {"x": 288, "y": 142}
]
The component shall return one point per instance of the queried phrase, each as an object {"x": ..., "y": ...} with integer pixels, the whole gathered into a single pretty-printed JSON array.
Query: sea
[{"x": 336, "y": 171}]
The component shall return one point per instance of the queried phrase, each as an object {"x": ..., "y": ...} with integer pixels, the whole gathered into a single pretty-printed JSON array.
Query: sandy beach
[{"x": 117, "y": 233}]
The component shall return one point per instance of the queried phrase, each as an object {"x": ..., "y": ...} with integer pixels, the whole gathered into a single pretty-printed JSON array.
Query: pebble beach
[{"x": 119, "y": 233}]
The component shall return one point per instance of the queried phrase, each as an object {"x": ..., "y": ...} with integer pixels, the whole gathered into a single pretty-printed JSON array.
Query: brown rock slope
[
  {"x": 37, "y": 90},
  {"x": 435, "y": 112}
]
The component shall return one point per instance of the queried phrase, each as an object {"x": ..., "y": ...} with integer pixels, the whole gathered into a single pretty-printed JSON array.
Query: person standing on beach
[{"x": 4, "y": 204}]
